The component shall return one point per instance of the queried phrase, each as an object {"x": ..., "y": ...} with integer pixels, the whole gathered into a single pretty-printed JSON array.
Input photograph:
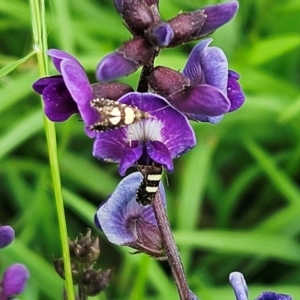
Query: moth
[
  {"x": 147, "y": 190},
  {"x": 113, "y": 115}
]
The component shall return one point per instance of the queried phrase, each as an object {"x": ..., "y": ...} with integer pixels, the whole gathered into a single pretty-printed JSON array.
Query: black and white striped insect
[
  {"x": 149, "y": 186},
  {"x": 113, "y": 115}
]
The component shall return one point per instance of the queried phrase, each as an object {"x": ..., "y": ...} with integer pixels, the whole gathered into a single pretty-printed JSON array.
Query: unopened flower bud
[
  {"x": 136, "y": 14},
  {"x": 200, "y": 23},
  {"x": 14, "y": 281},
  {"x": 60, "y": 270},
  {"x": 111, "y": 90},
  {"x": 165, "y": 81},
  {"x": 187, "y": 27},
  {"x": 130, "y": 56},
  {"x": 7, "y": 235},
  {"x": 85, "y": 250},
  {"x": 95, "y": 281}
]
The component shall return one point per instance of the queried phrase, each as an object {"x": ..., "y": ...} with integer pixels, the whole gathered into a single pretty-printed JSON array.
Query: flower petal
[
  {"x": 234, "y": 91},
  {"x": 160, "y": 154},
  {"x": 7, "y": 235},
  {"x": 14, "y": 279},
  {"x": 218, "y": 15},
  {"x": 114, "y": 66},
  {"x": 201, "y": 100},
  {"x": 161, "y": 34},
  {"x": 273, "y": 296},
  {"x": 58, "y": 56},
  {"x": 80, "y": 89},
  {"x": 207, "y": 65},
  {"x": 193, "y": 67},
  {"x": 109, "y": 145},
  {"x": 129, "y": 157},
  {"x": 215, "y": 67},
  {"x": 239, "y": 285},
  {"x": 43, "y": 82},
  {"x": 202, "y": 118},
  {"x": 58, "y": 103},
  {"x": 115, "y": 214}
]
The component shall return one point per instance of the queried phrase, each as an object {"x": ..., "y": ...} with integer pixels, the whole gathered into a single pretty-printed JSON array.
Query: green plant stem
[{"x": 40, "y": 45}]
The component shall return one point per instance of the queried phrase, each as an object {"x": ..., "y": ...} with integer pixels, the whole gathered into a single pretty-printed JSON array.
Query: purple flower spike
[
  {"x": 14, "y": 281},
  {"x": 239, "y": 285},
  {"x": 218, "y": 15},
  {"x": 164, "y": 135},
  {"x": 126, "y": 223},
  {"x": 273, "y": 296},
  {"x": 7, "y": 235}
]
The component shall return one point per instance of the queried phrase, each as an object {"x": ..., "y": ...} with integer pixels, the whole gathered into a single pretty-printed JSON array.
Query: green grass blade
[{"x": 4, "y": 71}]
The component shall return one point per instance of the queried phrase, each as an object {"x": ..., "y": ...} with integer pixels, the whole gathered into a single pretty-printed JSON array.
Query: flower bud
[
  {"x": 7, "y": 235},
  {"x": 95, "y": 281},
  {"x": 85, "y": 250},
  {"x": 187, "y": 27},
  {"x": 130, "y": 56},
  {"x": 14, "y": 281},
  {"x": 165, "y": 81},
  {"x": 136, "y": 14},
  {"x": 112, "y": 90}
]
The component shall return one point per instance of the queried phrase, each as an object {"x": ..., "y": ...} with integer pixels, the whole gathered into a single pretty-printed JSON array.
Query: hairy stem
[
  {"x": 170, "y": 248},
  {"x": 147, "y": 69}
]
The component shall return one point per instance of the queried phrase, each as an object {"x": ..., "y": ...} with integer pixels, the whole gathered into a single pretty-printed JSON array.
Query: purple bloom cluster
[
  {"x": 15, "y": 277},
  {"x": 157, "y": 128},
  {"x": 151, "y": 33},
  {"x": 147, "y": 128}
]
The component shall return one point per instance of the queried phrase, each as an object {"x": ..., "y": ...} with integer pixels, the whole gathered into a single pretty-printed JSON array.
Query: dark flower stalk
[{"x": 170, "y": 248}]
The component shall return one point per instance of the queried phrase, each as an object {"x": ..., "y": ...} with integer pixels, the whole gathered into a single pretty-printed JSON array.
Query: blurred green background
[{"x": 233, "y": 202}]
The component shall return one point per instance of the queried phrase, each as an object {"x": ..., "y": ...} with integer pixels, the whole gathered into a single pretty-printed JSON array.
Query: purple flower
[
  {"x": 14, "y": 281},
  {"x": 126, "y": 60},
  {"x": 127, "y": 223},
  {"x": 273, "y": 296},
  {"x": 151, "y": 33},
  {"x": 68, "y": 93},
  {"x": 7, "y": 235},
  {"x": 200, "y": 23},
  {"x": 241, "y": 290},
  {"x": 71, "y": 92},
  {"x": 164, "y": 135},
  {"x": 205, "y": 90}
]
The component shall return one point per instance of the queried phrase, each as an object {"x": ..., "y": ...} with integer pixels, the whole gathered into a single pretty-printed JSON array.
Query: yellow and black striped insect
[
  {"x": 149, "y": 186},
  {"x": 113, "y": 115}
]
